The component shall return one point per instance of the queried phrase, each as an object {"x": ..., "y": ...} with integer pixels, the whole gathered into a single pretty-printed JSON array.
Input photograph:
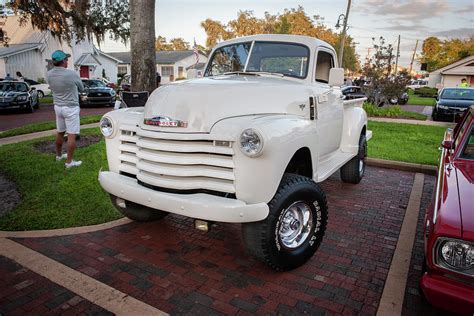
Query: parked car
[
  {"x": 17, "y": 94},
  {"x": 125, "y": 84},
  {"x": 448, "y": 280},
  {"x": 42, "y": 88},
  {"x": 352, "y": 92},
  {"x": 417, "y": 83},
  {"x": 108, "y": 83},
  {"x": 247, "y": 143},
  {"x": 452, "y": 103},
  {"x": 97, "y": 93}
]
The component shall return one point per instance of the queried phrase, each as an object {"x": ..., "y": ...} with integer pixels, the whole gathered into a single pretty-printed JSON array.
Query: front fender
[{"x": 257, "y": 179}]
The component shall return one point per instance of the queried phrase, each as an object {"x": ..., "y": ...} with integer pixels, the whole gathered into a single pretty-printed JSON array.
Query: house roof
[
  {"x": 87, "y": 59},
  {"x": 451, "y": 68},
  {"x": 17, "y": 49},
  {"x": 197, "y": 66},
  {"x": 162, "y": 57}
]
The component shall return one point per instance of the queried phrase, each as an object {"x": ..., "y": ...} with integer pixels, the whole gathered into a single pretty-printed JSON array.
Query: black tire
[
  {"x": 37, "y": 104},
  {"x": 434, "y": 115},
  {"x": 40, "y": 94},
  {"x": 262, "y": 239},
  {"x": 393, "y": 100},
  {"x": 353, "y": 171},
  {"x": 137, "y": 212},
  {"x": 29, "y": 107}
]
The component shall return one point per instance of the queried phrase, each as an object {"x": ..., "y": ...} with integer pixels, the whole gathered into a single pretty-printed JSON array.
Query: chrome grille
[{"x": 178, "y": 164}]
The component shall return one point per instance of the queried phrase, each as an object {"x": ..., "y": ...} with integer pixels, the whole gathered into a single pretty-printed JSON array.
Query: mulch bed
[
  {"x": 9, "y": 195},
  {"x": 49, "y": 147}
]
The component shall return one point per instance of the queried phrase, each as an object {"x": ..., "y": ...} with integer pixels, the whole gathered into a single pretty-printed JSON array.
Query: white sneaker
[
  {"x": 62, "y": 157},
  {"x": 73, "y": 163}
]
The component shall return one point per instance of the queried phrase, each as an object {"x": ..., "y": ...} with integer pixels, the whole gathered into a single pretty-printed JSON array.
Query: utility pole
[
  {"x": 398, "y": 54},
  {"x": 343, "y": 33},
  {"x": 413, "y": 57}
]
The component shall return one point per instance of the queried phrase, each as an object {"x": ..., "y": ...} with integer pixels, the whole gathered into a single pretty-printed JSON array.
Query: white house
[
  {"x": 451, "y": 75},
  {"x": 171, "y": 65},
  {"x": 29, "y": 52}
]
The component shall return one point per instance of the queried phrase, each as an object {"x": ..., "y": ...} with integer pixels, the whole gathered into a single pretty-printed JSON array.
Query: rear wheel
[
  {"x": 295, "y": 225},
  {"x": 40, "y": 94},
  {"x": 137, "y": 212},
  {"x": 353, "y": 171}
]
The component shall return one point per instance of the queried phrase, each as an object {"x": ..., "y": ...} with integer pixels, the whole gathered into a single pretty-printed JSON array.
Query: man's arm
[{"x": 78, "y": 82}]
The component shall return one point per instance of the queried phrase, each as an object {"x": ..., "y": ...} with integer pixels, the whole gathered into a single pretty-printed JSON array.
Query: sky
[{"x": 411, "y": 19}]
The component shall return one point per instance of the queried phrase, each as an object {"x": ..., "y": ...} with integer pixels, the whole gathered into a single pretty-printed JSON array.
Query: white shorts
[{"x": 67, "y": 119}]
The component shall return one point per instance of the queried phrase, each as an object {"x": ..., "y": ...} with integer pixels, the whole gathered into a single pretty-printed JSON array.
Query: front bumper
[
  {"x": 106, "y": 100},
  {"x": 200, "y": 205},
  {"x": 13, "y": 105},
  {"x": 450, "y": 111},
  {"x": 448, "y": 294}
]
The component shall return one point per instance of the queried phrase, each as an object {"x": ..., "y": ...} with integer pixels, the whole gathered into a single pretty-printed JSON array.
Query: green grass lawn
[
  {"x": 45, "y": 126},
  {"x": 48, "y": 99},
  {"x": 405, "y": 142},
  {"x": 53, "y": 197},
  {"x": 414, "y": 99},
  {"x": 394, "y": 111}
]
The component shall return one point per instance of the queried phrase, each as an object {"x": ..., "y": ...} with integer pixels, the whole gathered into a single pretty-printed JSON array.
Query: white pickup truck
[{"x": 247, "y": 143}]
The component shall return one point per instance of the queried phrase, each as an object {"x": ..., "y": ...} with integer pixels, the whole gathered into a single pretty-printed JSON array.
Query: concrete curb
[
  {"x": 403, "y": 166},
  {"x": 25, "y": 137},
  {"x": 414, "y": 122}
]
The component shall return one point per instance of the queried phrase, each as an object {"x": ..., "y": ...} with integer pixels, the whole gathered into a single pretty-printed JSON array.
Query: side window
[{"x": 324, "y": 63}]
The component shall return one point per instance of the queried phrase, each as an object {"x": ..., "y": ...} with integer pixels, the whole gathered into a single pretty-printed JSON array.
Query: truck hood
[{"x": 200, "y": 103}]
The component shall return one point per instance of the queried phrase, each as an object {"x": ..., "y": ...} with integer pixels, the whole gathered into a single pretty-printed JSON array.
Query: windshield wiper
[
  {"x": 270, "y": 73},
  {"x": 253, "y": 73},
  {"x": 239, "y": 73}
]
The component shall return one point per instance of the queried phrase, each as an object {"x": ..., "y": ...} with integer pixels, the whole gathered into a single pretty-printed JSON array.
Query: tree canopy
[
  {"x": 78, "y": 19},
  {"x": 174, "y": 44},
  {"x": 437, "y": 53},
  {"x": 291, "y": 21}
]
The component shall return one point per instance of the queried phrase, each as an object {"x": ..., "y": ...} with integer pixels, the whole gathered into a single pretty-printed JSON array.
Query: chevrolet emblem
[{"x": 165, "y": 121}]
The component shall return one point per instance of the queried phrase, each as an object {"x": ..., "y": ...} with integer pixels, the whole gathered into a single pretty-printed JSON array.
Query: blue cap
[{"x": 59, "y": 55}]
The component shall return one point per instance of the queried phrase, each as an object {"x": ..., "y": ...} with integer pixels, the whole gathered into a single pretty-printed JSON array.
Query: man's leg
[
  {"x": 59, "y": 143},
  {"x": 71, "y": 145}
]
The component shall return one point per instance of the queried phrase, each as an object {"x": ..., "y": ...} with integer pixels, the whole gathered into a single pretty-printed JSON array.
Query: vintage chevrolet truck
[{"x": 247, "y": 143}]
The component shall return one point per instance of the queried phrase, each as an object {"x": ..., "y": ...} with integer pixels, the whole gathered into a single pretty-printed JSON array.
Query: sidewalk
[{"x": 21, "y": 138}]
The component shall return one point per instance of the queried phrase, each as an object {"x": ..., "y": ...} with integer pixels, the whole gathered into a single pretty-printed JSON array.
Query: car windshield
[
  {"x": 13, "y": 86},
  {"x": 286, "y": 59},
  {"x": 468, "y": 151},
  {"x": 93, "y": 83},
  {"x": 458, "y": 94}
]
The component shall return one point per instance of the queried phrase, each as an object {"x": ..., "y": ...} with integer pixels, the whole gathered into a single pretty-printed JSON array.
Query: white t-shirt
[{"x": 65, "y": 85}]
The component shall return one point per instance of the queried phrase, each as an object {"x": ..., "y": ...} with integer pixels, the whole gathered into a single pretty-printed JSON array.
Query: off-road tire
[
  {"x": 137, "y": 212},
  {"x": 261, "y": 238},
  {"x": 353, "y": 171}
]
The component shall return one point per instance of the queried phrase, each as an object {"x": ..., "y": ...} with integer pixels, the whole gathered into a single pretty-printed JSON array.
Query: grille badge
[{"x": 164, "y": 121}]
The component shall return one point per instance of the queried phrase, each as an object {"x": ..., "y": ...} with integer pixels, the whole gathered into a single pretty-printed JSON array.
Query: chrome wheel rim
[
  {"x": 295, "y": 225},
  {"x": 361, "y": 166}
]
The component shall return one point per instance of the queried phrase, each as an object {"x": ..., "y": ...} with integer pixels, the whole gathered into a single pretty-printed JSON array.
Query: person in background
[
  {"x": 65, "y": 85},
  {"x": 8, "y": 77},
  {"x": 464, "y": 83},
  {"x": 158, "y": 79},
  {"x": 19, "y": 76}
]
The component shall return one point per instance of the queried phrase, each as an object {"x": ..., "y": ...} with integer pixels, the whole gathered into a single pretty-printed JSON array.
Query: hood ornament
[{"x": 164, "y": 121}]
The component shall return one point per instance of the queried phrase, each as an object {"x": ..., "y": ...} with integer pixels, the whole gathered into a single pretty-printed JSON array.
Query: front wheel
[
  {"x": 393, "y": 100},
  {"x": 295, "y": 225},
  {"x": 354, "y": 169},
  {"x": 137, "y": 212}
]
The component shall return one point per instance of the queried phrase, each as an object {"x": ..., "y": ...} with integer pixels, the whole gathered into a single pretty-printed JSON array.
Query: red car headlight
[{"x": 456, "y": 255}]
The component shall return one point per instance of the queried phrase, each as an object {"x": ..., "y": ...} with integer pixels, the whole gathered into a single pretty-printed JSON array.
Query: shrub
[
  {"x": 427, "y": 92},
  {"x": 375, "y": 111}
]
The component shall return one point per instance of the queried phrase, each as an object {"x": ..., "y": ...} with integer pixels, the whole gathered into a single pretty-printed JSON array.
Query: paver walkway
[{"x": 176, "y": 269}]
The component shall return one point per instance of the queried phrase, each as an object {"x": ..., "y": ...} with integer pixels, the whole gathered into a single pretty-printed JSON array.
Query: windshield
[
  {"x": 13, "y": 86},
  {"x": 93, "y": 83},
  {"x": 287, "y": 59},
  {"x": 458, "y": 94}
]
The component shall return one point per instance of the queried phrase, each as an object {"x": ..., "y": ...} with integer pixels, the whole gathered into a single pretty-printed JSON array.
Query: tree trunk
[{"x": 142, "y": 44}]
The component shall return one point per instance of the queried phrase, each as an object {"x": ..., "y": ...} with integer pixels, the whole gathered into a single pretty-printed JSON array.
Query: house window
[
  {"x": 167, "y": 71},
  {"x": 324, "y": 63},
  {"x": 180, "y": 72},
  {"x": 122, "y": 69}
]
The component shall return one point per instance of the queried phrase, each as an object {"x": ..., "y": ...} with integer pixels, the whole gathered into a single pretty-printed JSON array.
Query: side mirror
[
  {"x": 447, "y": 144},
  {"x": 336, "y": 77},
  {"x": 32, "y": 89}
]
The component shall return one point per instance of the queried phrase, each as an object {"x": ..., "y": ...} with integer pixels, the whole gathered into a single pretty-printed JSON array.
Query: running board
[{"x": 331, "y": 163}]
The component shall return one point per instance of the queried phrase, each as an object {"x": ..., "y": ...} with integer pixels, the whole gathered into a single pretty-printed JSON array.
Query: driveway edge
[{"x": 403, "y": 166}]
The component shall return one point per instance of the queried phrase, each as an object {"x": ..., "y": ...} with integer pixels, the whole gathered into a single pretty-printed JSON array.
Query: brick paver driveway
[
  {"x": 177, "y": 269},
  {"x": 15, "y": 118}
]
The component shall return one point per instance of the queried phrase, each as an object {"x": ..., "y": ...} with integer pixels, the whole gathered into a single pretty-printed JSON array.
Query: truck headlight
[
  {"x": 455, "y": 254},
  {"x": 251, "y": 142},
  {"x": 106, "y": 126}
]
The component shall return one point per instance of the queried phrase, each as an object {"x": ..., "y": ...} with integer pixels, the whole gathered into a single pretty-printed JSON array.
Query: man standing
[
  {"x": 65, "y": 85},
  {"x": 464, "y": 83}
]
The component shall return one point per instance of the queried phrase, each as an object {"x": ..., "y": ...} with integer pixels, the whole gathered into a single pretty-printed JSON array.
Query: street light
[{"x": 343, "y": 33}]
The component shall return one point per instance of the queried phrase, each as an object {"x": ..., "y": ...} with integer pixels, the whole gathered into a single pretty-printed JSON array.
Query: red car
[{"x": 448, "y": 281}]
